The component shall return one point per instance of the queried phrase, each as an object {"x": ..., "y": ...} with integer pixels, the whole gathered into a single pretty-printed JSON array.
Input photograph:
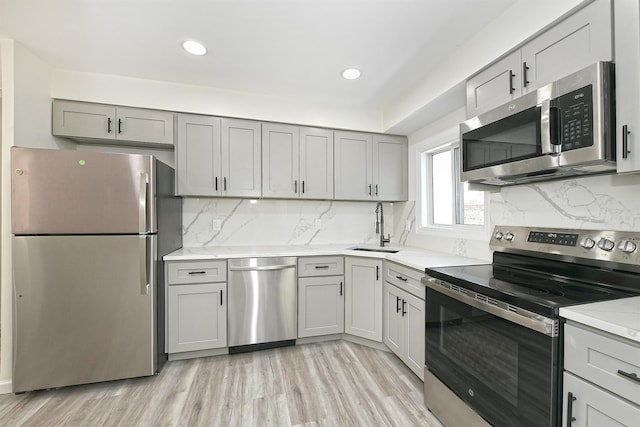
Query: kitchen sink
[{"x": 387, "y": 251}]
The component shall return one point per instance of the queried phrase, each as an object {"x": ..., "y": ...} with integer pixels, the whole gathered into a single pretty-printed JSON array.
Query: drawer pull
[
  {"x": 318, "y": 267},
  {"x": 633, "y": 376},
  {"x": 404, "y": 279},
  {"x": 193, "y": 273},
  {"x": 570, "y": 418}
]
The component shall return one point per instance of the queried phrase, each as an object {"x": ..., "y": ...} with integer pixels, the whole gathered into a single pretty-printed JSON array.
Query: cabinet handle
[
  {"x": 302, "y": 187},
  {"x": 404, "y": 279},
  {"x": 377, "y": 272},
  {"x": 224, "y": 183},
  {"x": 221, "y": 297},
  {"x": 295, "y": 186},
  {"x": 630, "y": 376},
  {"x": 119, "y": 125},
  {"x": 511, "y": 76},
  {"x": 318, "y": 267},
  {"x": 625, "y": 142},
  {"x": 108, "y": 124},
  {"x": 404, "y": 303},
  {"x": 369, "y": 189},
  {"x": 376, "y": 189},
  {"x": 193, "y": 273},
  {"x": 570, "y": 417},
  {"x": 525, "y": 82},
  {"x": 397, "y": 304},
  {"x": 216, "y": 183},
  {"x": 340, "y": 288}
]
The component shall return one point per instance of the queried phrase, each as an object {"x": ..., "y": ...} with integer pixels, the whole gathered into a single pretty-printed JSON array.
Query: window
[{"x": 445, "y": 201}]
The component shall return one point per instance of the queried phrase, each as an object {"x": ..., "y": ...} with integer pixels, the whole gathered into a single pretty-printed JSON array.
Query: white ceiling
[{"x": 286, "y": 48}]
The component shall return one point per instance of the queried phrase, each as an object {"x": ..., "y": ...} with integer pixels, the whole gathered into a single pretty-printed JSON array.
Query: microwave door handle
[
  {"x": 555, "y": 130},
  {"x": 545, "y": 127}
]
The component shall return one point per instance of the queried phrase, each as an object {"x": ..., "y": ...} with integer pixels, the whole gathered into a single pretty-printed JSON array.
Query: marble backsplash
[{"x": 240, "y": 222}]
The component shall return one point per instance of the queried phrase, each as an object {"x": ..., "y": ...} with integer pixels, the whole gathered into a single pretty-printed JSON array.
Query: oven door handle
[{"x": 528, "y": 319}]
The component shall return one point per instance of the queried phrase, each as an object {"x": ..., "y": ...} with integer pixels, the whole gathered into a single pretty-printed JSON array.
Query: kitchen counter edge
[{"x": 619, "y": 317}]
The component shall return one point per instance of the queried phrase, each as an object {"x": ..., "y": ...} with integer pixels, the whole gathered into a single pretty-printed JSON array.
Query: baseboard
[
  {"x": 5, "y": 387},
  {"x": 198, "y": 353},
  {"x": 366, "y": 342}
]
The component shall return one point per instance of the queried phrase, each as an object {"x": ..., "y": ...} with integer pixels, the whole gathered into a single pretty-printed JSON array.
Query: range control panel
[{"x": 615, "y": 246}]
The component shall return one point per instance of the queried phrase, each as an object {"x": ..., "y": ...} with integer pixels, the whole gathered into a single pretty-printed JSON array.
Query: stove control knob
[
  {"x": 606, "y": 244},
  {"x": 587, "y": 243},
  {"x": 627, "y": 246},
  {"x": 498, "y": 235},
  {"x": 509, "y": 236}
]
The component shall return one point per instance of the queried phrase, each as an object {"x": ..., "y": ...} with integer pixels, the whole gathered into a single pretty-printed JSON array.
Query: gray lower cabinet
[
  {"x": 403, "y": 325},
  {"x": 196, "y": 305},
  {"x": 113, "y": 124},
  {"x": 600, "y": 381},
  {"x": 320, "y": 296},
  {"x": 363, "y": 297}
]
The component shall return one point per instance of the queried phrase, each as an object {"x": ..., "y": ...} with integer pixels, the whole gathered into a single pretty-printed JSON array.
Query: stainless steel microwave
[{"x": 565, "y": 128}]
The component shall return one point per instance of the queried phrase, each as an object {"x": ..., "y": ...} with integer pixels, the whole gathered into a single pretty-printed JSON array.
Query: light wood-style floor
[{"x": 334, "y": 383}]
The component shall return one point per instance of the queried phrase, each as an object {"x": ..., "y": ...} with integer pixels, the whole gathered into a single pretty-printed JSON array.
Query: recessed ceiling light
[
  {"x": 351, "y": 73},
  {"x": 194, "y": 48}
]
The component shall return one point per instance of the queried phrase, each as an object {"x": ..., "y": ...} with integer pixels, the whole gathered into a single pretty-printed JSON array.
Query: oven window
[
  {"x": 513, "y": 138},
  {"x": 506, "y": 372},
  {"x": 494, "y": 359}
]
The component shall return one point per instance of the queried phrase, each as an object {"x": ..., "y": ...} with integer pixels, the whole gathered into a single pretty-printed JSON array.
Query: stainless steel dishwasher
[{"x": 262, "y": 297}]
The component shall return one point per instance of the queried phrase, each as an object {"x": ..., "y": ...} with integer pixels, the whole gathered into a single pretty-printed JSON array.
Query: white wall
[
  {"x": 517, "y": 24},
  {"x": 134, "y": 92}
]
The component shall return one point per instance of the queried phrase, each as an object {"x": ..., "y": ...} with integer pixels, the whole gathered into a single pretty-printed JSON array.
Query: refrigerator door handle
[
  {"x": 144, "y": 265},
  {"x": 142, "y": 202}
]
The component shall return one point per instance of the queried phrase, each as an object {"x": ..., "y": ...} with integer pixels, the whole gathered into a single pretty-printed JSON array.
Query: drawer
[
  {"x": 405, "y": 278},
  {"x": 320, "y": 266},
  {"x": 180, "y": 272},
  {"x": 603, "y": 360}
]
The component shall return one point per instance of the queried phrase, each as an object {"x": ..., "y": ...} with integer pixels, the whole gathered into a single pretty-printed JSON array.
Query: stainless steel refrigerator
[{"x": 89, "y": 232}]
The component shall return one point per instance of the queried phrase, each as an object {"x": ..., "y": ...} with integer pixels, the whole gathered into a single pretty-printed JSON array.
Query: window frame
[{"x": 448, "y": 140}]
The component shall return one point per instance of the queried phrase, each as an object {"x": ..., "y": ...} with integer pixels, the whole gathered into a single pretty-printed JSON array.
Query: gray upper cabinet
[
  {"x": 218, "y": 157},
  {"x": 113, "y": 124},
  {"x": 370, "y": 167},
  {"x": 198, "y": 155},
  {"x": 297, "y": 162},
  {"x": 241, "y": 158},
  {"x": 627, "y": 57},
  {"x": 577, "y": 42}
]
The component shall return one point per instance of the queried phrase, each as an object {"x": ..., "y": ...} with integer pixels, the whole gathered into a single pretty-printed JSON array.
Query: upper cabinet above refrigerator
[{"x": 89, "y": 122}]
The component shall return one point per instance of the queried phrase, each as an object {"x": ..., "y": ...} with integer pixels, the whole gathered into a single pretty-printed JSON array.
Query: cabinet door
[
  {"x": 363, "y": 299},
  {"x": 280, "y": 161},
  {"x": 392, "y": 322},
  {"x": 197, "y": 317},
  {"x": 353, "y": 166},
  {"x": 198, "y": 156},
  {"x": 84, "y": 120},
  {"x": 390, "y": 168},
  {"x": 320, "y": 306},
  {"x": 594, "y": 407},
  {"x": 577, "y": 42},
  {"x": 413, "y": 310},
  {"x": 627, "y": 57},
  {"x": 241, "y": 158},
  {"x": 316, "y": 163},
  {"x": 494, "y": 86},
  {"x": 140, "y": 125}
]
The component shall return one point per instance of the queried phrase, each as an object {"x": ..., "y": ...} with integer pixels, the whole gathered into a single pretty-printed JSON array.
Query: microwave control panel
[{"x": 576, "y": 118}]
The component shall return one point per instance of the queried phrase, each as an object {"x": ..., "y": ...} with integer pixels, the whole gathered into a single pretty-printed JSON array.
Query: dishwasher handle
[{"x": 261, "y": 268}]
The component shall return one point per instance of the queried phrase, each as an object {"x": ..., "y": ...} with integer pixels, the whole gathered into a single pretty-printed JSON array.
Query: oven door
[
  {"x": 510, "y": 143},
  {"x": 506, "y": 372}
]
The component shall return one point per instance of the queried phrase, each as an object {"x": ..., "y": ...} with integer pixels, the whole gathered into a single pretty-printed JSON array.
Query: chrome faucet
[{"x": 380, "y": 225}]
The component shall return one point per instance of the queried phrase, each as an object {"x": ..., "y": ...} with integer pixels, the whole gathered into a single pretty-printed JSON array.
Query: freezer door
[
  {"x": 83, "y": 312},
  {"x": 80, "y": 192}
]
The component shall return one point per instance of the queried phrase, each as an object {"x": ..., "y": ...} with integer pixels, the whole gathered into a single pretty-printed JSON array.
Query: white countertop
[
  {"x": 410, "y": 257},
  {"x": 620, "y": 317}
]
